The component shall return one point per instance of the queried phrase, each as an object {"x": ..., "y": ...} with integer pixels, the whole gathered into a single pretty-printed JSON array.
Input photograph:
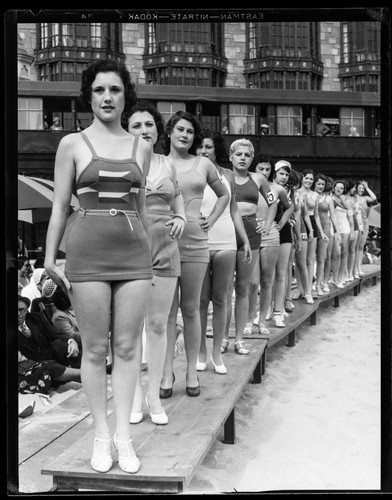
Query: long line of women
[{"x": 159, "y": 233}]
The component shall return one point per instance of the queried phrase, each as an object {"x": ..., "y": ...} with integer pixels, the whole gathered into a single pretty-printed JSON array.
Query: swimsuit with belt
[{"x": 107, "y": 240}]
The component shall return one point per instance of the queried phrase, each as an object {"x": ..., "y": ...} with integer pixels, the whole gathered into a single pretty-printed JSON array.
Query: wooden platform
[
  {"x": 169, "y": 454},
  {"x": 304, "y": 311}
]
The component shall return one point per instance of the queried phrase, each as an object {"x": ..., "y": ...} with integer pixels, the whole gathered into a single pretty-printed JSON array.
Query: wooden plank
[{"x": 169, "y": 454}]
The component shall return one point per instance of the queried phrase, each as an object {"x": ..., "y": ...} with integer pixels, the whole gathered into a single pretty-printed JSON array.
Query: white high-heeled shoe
[
  {"x": 200, "y": 366},
  {"x": 221, "y": 369},
  {"x": 99, "y": 462},
  {"x": 127, "y": 459},
  {"x": 136, "y": 417},
  {"x": 157, "y": 418},
  {"x": 277, "y": 317}
]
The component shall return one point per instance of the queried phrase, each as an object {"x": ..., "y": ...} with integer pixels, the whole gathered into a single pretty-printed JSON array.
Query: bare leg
[
  {"x": 268, "y": 259},
  {"x": 243, "y": 276},
  {"x": 310, "y": 260},
  {"x": 205, "y": 298},
  {"x": 343, "y": 258},
  {"x": 280, "y": 283},
  {"x": 127, "y": 326},
  {"x": 223, "y": 264},
  {"x": 191, "y": 281},
  {"x": 167, "y": 375},
  {"x": 335, "y": 263},
  {"x": 91, "y": 302},
  {"x": 302, "y": 272},
  {"x": 328, "y": 260},
  {"x": 254, "y": 292},
  {"x": 289, "y": 274},
  {"x": 352, "y": 246},
  {"x": 156, "y": 327},
  {"x": 322, "y": 246}
]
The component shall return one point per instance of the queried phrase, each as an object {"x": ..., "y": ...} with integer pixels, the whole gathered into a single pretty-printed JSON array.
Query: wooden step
[{"x": 169, "y": 454}]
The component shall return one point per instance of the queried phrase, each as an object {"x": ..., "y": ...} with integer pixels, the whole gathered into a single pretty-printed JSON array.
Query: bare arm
[
  {"x": 144, "y": 159},
  {"x": 221, "y": 192},
  {"x": 64, "y": 176},
  {"x": 318, "y": 222},
  {"x": 237, "y": 220}
]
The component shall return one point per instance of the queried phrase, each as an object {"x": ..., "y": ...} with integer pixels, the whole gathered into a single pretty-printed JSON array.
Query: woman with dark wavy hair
[
  {"x": 194, "y": 173},
  {"x": 166, "y": 217},
  {"x": 108, "y": 269}
]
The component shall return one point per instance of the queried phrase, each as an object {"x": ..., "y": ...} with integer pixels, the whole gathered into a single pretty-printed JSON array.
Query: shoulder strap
[
  {"x": 134, "y": 149},
  {"x": 196, "y": 162},
  {"x": 87, "y": 140}
]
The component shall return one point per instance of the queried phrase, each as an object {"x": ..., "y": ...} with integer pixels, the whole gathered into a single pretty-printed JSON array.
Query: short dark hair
[
  {"x": 321, "y": 177},
  {"x": 149, "y": 108},
  {"x": 184, "y": 115},
  {"x": 107, "y": 66},
  {"x": 219, "y": 143},
  {"x": 26, "y": 300}
]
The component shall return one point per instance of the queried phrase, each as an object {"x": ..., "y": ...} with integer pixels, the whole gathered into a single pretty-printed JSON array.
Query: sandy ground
[{"x": 314, "y": 421}]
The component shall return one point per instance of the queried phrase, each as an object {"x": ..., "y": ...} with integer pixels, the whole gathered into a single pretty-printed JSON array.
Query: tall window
[
  {"x": 289, "y": 120},
  {"x": 239, "y": 119},
  {"x": 184, "y": 54},
  {"x": 352, "y": 121},
  {"x": 30, "y": 115},
  {"x": 168, "y": 108},
  {"x": 283, "y": 55},
  {"x": 360, "y": 56},
  {"x": 64, "y": 49}
]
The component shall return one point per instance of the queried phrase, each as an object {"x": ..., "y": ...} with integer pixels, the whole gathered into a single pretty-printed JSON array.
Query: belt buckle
[{"x": 113, "y": 212}]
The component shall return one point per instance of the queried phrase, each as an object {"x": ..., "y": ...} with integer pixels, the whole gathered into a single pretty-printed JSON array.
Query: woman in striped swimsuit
[{"x": 108, "y": 269}]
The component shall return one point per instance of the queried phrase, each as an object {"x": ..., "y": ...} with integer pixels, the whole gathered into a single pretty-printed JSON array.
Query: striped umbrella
[{"x": 35, "y": 199}]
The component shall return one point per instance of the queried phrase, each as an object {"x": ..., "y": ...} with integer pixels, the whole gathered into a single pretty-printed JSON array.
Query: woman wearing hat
[
  {"x": 34, "y": 288},
  {"x": 283, "y": 214}
]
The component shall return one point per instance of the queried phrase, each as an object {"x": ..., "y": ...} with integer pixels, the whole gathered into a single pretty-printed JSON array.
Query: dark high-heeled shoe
[
  {"x": 166, "y": 393},
  {"x": 193, "y": 391}
]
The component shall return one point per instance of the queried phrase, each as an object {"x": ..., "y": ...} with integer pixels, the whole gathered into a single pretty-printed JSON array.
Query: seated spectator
[
  {"x": 39, "y": 341},
  {"x": 24, "y": 273},
  {"x": 34, "y": 376},
  {"x": 34, "y": 288},
  {"x": 44, "y": 304},
  {"x": 63, "y": 317}
]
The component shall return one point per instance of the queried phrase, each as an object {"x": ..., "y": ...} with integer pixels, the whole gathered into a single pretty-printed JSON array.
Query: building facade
[{"x": 277, "y": 83}]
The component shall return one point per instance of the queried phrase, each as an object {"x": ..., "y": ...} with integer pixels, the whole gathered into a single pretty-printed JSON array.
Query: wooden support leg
[
  {"x": 336, "y": 301},
  {"x": 313, "y": 318},
  {"x": 374, "y": 279},
  {"x": 263, "y": 361},
  {"x": 257, "y": 373},
  {"x": 291, "y": 342},
  {"x": 356, "y": 291},
  {"x": 229, "y": 429}
]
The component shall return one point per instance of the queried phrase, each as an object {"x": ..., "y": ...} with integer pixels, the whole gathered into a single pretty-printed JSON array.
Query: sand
[{"x": 314, "y": 421}]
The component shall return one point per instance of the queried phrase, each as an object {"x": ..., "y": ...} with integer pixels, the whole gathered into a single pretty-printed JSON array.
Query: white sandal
[
  {"x": 248, "y": 330},
  {"x": 241, "y": 349}
]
